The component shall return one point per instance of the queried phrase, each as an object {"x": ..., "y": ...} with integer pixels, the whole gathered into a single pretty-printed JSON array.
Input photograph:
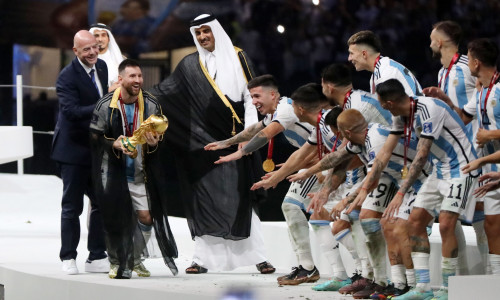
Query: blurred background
[{"x": 291, "y": 39}]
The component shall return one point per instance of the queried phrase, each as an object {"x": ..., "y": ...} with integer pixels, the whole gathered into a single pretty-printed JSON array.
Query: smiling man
[
  {"x": 121, "y": 190},
  {"x": 79, "y": 86},
  {"x": 109, "y": 51},
  {"x": 206, "y": 99},
  {"x": 364, "y": 54}
]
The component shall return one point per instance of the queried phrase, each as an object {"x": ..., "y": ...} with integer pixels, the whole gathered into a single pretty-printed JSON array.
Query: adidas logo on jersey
[
  {"x": 455, "y": 204},
  {"x": 376, "y": 203},
  {"x": 407, "y": 211}
]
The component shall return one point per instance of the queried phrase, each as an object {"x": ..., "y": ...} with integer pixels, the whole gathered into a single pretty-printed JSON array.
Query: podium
[{"x": 17, "y": 143}]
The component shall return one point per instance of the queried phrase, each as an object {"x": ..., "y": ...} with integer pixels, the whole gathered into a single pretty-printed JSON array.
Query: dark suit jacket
[{"x": 77, "y": 98}]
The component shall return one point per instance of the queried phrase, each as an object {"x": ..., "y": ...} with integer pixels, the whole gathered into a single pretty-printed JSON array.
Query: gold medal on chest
[
  {"x": 493, "y": 102},
  {"x": 404, "y": 172},
  {"x": 455, "y": 82},
  {"x": 268, "y": 165}
]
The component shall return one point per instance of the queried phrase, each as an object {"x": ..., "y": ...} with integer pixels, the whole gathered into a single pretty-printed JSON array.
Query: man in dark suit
[{"x": 79, "y": 86}]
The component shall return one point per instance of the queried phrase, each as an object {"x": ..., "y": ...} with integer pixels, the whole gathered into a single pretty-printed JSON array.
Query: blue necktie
[{"x": 92, "y": 76}]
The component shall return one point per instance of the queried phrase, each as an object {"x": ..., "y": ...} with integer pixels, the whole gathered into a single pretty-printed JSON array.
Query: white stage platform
[{"x": 30, "y": 266}]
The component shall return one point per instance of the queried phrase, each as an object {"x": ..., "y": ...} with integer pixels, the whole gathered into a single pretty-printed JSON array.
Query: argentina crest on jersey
[
  {"x": 371, "y": 155},
  {"x": 427, "y": 127}
]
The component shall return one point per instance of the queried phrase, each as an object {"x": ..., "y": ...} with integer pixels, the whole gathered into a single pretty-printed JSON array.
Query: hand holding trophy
[{"x": 154, "y": 124}]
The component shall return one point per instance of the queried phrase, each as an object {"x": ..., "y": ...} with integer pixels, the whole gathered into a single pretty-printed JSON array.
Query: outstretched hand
[
  {"x": 298, "y": 176},
  {"x": 216, "y": 146},
  {"x": 491, "y": 182},
  {"x": 265, "y": 184},
  {"x": 337, "y": 209},
  {"x": 473, "y": 165},
  {"x": 233, "y": 156},
  {"x": 318, "y": 200},
  {"x": 434, "y": 92},
  {"x": 393, "y": 208}
]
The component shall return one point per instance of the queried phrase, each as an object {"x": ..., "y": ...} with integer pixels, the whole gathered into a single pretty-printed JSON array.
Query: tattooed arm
[
  {"x": 263, "y": 137},
  {"x": 329, "y": 161},
  {"x": 333, "y": 180},
  {"x": 243, "y": 136},
  {"x": 260, "y": 139},
  {"x": 423, "y": 149},
  {"x": 381, "y": 160}
]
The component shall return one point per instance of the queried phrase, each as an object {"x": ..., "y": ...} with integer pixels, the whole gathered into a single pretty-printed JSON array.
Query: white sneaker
[
  {"x": 97, "y": 266},
  {"x": 69, "y": 267}
]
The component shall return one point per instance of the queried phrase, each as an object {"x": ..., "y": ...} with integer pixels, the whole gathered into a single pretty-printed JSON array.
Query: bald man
[{"x": 79, "y": 86}]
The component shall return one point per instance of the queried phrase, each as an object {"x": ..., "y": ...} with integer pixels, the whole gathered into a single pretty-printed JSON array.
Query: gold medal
[
  {"x": 404, "y": 172},
  {"x": 268, "y": 165}
]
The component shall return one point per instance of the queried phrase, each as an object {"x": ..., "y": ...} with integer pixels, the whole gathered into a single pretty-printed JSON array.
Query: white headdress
[
  {"x": 230, "y": 77},
  {"x": 113, "y": 57}
]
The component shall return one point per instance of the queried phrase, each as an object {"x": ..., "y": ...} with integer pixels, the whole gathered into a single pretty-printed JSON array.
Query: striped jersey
[
  {"x": 375, "y": 139},
  {"x": 451, "y": 148},
  {"x": 329, "y": 139},
  {"x": 369, "y": 106},
  {"x": 487, "y": 118},
  {"x": 459, "y": 84},
  {"x": 387, "y": 68},
  {"x": 296, "y": 132}
]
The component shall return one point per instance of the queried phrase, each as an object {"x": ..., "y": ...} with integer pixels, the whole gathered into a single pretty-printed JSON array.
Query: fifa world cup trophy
[{"x": 155, "y": 123}]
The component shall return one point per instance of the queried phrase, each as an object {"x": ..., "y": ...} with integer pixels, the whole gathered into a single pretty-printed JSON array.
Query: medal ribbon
[
  {"x": 319, "y": 140},
  {"x": 408, "y": 127},
  {"x": 346, "y": 97},
  {"x": 125, "y": 120},
  {"x": 270, "y": 147},
  {"x": 374, "y": 66},
  {"x": 452, "y": 62},
  {"x": 494, "y": 79}
]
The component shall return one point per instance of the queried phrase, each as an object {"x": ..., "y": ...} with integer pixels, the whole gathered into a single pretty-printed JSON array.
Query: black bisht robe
[
  {"x": 122, "y": 233},
  {"x": 217, "y": 198}
]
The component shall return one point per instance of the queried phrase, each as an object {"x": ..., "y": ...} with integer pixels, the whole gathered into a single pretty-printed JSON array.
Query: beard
[
  {"x": 131, "y": 92},
  {"x": 436, "y": 54}
]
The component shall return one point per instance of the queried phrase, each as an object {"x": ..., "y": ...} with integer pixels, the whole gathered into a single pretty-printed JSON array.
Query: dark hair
[
  {"x": 338, "y": 74},
  {"x": 366, "y": 37},
  {"x": 263, "y": 81},
  {"x": 451, "y": 29},
  {"x": 127, "y": 63},
  {"x": 391, "y": 90},
  {"x": 485, "y": 50},
  {"x": 309, "y": 96},
  {"x": 331, "y": 117}
]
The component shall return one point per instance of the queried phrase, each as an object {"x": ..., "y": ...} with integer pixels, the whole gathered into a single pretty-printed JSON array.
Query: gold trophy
[{"x": 155, "y": 123}]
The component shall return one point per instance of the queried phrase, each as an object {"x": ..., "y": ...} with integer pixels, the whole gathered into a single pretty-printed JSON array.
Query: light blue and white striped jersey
[
  {"x": 387, "y": 68},
  {"x": 452, "y": 148},
  {"x": 489, "y": 121},
  {"x": 296, "y": 132},
  {"x": 460, "y": 84},
  {"x": 329, "y": 139},
  {"x": 375, "y": 139},
  {"x": 369, "y": 106}
]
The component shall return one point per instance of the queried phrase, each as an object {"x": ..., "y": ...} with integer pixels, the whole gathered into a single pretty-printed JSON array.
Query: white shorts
[
  {"x": 298, "y": 190},
  {"x": 453, "y": 195},
  {"x": 381, "y": 196},
  {"x": 138, "y": 196}
]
